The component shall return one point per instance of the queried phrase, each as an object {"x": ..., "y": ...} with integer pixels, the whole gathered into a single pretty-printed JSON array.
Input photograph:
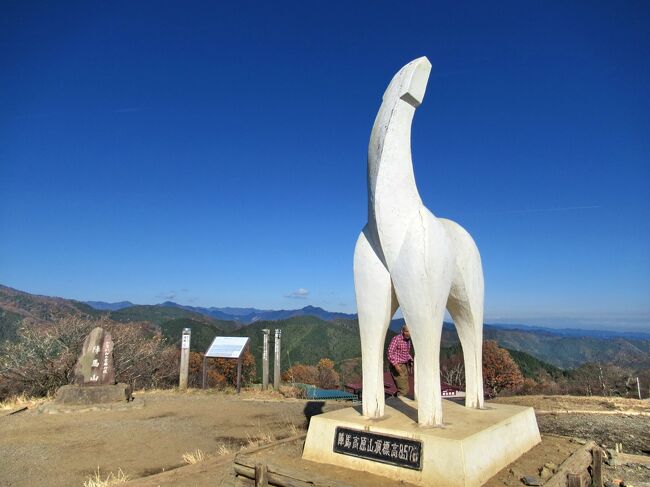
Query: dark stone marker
[
  {"x": 402, "y": 452},
  {"x": 95, "y": 364}
]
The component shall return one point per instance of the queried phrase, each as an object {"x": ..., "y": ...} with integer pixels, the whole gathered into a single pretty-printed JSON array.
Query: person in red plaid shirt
[{"x": 399, "y": 356}]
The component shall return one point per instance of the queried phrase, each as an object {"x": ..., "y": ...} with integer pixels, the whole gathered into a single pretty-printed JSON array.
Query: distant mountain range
[
  {"x": 312, "y": 332},
  {"x": 103, "y": 306},
  {"x": 396, "y": 325},
  {"x": 572, "y": 332},
  {"x": 246, "y": 316}
]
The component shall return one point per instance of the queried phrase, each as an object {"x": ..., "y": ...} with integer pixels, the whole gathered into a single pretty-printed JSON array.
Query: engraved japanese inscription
[
  {"x": 95, "y": 364},
  {"x": 402, "y": 452}
]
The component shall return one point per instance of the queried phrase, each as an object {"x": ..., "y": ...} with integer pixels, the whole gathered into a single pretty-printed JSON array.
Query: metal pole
[
  {"x": 185, "y": 358},
  {"x": 276, "y": 361},
  {"x": 265, "y": 359}
]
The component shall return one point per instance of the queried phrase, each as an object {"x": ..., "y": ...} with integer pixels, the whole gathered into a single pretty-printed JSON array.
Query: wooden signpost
[
  {"x": 265, "y": 359},
  {"x": 185, "y": 358}
]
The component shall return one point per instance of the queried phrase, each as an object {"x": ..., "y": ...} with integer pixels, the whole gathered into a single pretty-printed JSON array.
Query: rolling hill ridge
[{"x": 312, "y": 333}]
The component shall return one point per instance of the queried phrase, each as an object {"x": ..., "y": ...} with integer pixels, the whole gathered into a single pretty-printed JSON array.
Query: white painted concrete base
[{"x": 472, "y": 446}]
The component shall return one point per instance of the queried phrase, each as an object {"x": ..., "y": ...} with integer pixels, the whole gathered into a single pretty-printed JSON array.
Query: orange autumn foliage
[
  {"x": 221, "y": 372},
  {"x": 500, "y": 372},
  {"x": 322, "y": 375}
]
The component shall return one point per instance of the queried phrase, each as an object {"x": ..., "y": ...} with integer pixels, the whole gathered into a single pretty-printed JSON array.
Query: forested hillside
[{"x": 306, "y": 339}]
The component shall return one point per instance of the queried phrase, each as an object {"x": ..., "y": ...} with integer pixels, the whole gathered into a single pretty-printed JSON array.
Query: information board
[{"x": 227, "y": 347}]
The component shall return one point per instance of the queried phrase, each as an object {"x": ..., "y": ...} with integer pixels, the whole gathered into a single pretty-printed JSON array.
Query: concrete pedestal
[{"x": 471, "y": 447}]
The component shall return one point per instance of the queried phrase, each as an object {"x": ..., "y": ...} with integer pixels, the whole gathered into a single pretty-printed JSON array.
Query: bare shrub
[
  {"x": 143, "y": 359},
  {"x": 327, "y": 376},
  {"x": 43, "y": 357},
  {"x": 601, "y": 380},
  {"x": 322, "y": 375},
  {"x": 299, "y": 373},
  {"x": 452, "y": 370}
]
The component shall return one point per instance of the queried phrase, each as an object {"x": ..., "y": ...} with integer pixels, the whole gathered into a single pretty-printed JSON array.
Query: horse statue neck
[{"x": 393, "y": 198}]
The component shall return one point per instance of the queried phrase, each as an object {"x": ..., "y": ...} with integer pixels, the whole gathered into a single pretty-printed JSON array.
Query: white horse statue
[{"x": 407, "y": 258}]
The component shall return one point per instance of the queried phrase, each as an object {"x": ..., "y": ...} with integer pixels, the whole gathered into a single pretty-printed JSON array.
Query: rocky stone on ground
[
  {"x": 547, "y": 470},
  {"x": 532, "y": 480},
  {"x": 73, "y": 394}
]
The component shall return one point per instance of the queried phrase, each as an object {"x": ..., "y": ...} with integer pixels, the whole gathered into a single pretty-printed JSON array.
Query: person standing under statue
[{"x": 401, "y": 361}]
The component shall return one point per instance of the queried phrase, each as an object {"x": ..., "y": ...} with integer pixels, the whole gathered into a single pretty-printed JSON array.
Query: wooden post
[
  {"x": 597, "y": 467},
  {"x": 185, "y": 358},
  {"x": 205, "y": 373},
  {"x": 239, "y": 374},
  {"x": 265, "y": 359},
  {"x": 578, "y": 480},
  {"x": 261, "y": 475},
  {"x": 276, "y": 361}
]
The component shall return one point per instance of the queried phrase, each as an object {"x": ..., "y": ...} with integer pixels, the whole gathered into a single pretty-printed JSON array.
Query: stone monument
[
  {"x": 94, "y": 374},
  {"x": 407, "y": 258},
  {"x": 95, "y": 364}
]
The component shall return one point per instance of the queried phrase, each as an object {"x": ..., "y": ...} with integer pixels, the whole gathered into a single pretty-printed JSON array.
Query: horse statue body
[{"x": 407, "y": 258}]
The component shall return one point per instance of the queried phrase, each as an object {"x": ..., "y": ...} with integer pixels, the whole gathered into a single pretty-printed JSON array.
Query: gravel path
[{"x": 632, "y": 431}]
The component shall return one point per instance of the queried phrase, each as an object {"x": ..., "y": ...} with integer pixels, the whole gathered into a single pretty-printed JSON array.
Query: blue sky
[{"x": 215, "y": 153}]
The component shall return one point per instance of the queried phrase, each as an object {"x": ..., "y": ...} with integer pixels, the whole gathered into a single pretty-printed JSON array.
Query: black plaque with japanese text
[{"x": 393, "y": 450}]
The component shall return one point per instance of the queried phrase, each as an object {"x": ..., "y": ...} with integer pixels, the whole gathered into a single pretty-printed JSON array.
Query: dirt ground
[
  {"x": 593, "y": 404},
  {"x": 605, "y": 420},
  {"x": 65, "y": 449}
]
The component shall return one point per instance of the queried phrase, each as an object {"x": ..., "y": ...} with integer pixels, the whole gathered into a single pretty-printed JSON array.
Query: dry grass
[
  {"x": 22, "y": 400},
  {"x": 96, "y": 480},
  {"x": 262, "y": 438},
  {"x": 171, "y": 391},
  {"x": 223, "y": 450},
  {"x": 578, "y": 403},
  {"x": 194, "y": 457},
  {"x": 292, "y": 392},
  {"x": 292, "y": 427},
  {"x": 295, "y": 430},
  {"x": 257, "y": 394}
]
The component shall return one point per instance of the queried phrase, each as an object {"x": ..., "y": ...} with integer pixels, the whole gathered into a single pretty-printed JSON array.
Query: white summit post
[
  {"x": 185, "y": 358},
  {"x": 276, "y": 359},
  {"x": 407, "y": 258},
  {"x": 265, "y": 359}
]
